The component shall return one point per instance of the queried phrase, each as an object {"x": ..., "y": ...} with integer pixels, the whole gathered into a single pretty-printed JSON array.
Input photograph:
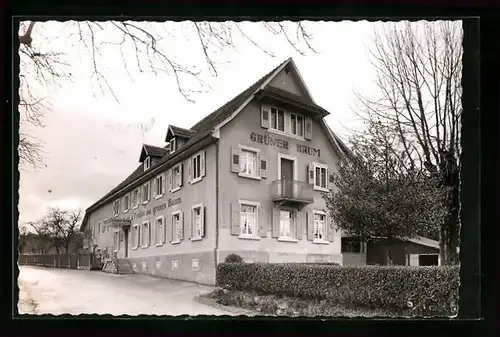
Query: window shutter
[
  {"x": 264, "y": 118},
  {"x": 235, "y": 159},
  {"x": 169, "y": 180},
  {"x": 202, "y": 163},
  {"x": 139, "y": 236},
  {"x": 189, "y": 229},
  {"x": 154, "y": 234},
  {"x": 301, "y": 224},
  {"x": 181, "y": 169},
  {"x": 164, "y": 182},
  {"x": 331, "y": 178},
  {"x": 263, "y": 221},
  {"x": 202, "y": 221},
  {"x": 308, "y": 128},
  {"x": 139, "y": 195},
  {"x": 257, "y": 163},
  {"x": 310, "y": 173},
  {"x": 310, "y": 226},
  {"x": 152, "y": 186},
  {"x": 168, "y": 225},
  {"x": 181, "y": 221},
  {"x": 235, "y": 218},
  {"x": 330, "y": 232},
  {"x": 263, "y": 167},
  {"x": 190, "y": 168},
  {"x": 275, "y": 232}
]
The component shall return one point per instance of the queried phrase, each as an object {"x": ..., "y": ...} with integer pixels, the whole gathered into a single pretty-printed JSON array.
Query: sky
[{"x": 91, "y": 142}]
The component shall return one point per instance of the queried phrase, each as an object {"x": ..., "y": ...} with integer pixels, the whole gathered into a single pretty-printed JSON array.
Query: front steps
[{"x": 118, "y": 266}]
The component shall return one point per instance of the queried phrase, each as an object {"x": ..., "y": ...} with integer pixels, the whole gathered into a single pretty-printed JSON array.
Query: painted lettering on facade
[
  {"x": 308, "y": 150},
  {"x": 268, "y": 140},
  {"x": 173, "y": 202},
  {"x": 283, "y": 144}
]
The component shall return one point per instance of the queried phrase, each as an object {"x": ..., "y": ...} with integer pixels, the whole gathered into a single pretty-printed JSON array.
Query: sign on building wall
[
  {"x": 175, "y": 264},
  {"x": 283, "y": 144},
  {"x": 195, "y": 264}
]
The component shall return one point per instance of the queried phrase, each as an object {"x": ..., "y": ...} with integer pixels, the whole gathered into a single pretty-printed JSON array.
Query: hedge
[{"x": 415, "y": 291}]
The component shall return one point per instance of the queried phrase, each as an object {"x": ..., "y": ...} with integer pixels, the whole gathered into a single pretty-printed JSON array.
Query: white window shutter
[
  {"x": 181, "y": 170},
  {"x": 202, "y": 210},
  {"x": 164, "y": 182},
  {"x": 264, "y": 116},
  {"x": 190, "y": 168},
  {"x": 308, "y": 128},
  {"x": 181, "y": 221},
  {"x": 235, "y": 159},
  {"x": 263, "y": 167},
  {"x": 202, "y": 163},
  {"x": 235, "y": 218},
  {"x": 152, "y": 186},
  {"x": 169, "y": 180},
  {"x": 310, "y": 173},
  {"x": 257, "y": 164}
]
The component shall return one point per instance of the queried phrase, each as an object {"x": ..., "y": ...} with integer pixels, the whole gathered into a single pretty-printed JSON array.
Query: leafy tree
[
  {"x": 379, "y": 194},
  {"x": 419, "y": 69},
  {"x": 137, "y": 47}
]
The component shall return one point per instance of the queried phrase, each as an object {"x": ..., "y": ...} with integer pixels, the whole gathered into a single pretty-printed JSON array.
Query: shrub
[
  {"x": 233, "y": 258},
  {"x": 422, "y": 291}
]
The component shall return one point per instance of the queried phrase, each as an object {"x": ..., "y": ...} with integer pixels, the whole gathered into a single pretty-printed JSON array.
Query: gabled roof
[
  {"x": 153, "y": 151},
  {"x": 227, "y": 109},
  {"x": 175, "y": 131},
  {"x": 207, "y": 127}
]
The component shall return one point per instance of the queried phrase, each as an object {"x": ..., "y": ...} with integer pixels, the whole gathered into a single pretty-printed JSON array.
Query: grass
[{"x": 273, "y": 305}]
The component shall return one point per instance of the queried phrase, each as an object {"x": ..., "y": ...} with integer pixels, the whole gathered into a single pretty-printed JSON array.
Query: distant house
[
  {"x": 247, "y": 179},
  {"x": 419, "y": 251}
]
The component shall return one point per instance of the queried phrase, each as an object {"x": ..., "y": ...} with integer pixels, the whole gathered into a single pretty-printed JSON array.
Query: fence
[{"x": 80, "y": 261}]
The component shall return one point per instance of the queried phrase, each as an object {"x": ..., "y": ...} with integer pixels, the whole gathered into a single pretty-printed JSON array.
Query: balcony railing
[{"x": 292, "y": 190}]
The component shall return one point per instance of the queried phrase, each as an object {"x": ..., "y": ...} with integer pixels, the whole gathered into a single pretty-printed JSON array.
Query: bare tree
[
  {"x": 60, "y": 228},
  {"x": 141, "y": 46},
  {"x": 419, "y": 69}
]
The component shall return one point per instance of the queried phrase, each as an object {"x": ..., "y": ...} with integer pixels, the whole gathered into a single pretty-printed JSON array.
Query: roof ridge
[{"x": 214, "y": 113}]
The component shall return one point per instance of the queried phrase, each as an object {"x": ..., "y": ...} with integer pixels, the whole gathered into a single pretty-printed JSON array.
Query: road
[{"x": 65, "y": 291}]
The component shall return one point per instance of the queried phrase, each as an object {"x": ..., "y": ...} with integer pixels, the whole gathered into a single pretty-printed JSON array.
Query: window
[
  {"x": 102, "y": 228},
  {"x": 286, "y": 224},
  {"x": 319, "y": 176},
  {"x": 197, "y": 166},
  {"x": 319, "y": 226},
  {"x": 146, "y": 193},
  {"x": 277, "y": 119},
  {"x": 248, "y": 219},
  {"x": 126, "y": 203},
  {"x": 177, "y": 226},
  {"x": 197, "y": 222},
  {"x": 350, "y": 245},
  {"x": 116, "y": 241},
  {"x": 92, "y": 230},
  {"x": 172, "y": 145},
  {"x": 160, "y": 186},
  {"x": 159, "y": 231},
  {"x": 116, "y": 207},
  {"x": 177, "y": 177},
  {"x": 297, "y": 124},
  {"x": 135, "y": 198},
  {"x": 248, "y": 163},
  {"x": 145, "y": 234},
  {"x": 147, "y": 163},
  {"x": 135, "y": 236}
]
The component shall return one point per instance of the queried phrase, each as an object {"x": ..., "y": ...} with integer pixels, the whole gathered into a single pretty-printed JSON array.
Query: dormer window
[
  {"x": 173, "y": 145},
  {"x": 147, "y": 163}
]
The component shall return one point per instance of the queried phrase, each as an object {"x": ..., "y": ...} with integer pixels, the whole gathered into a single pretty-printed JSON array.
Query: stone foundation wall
[
  {"x": 281, "y": 257},
  {"x": 196, "y": 267}
]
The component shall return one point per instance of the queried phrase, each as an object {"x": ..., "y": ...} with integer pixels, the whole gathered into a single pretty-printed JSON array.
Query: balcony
[{"x": 292, "y": 193}]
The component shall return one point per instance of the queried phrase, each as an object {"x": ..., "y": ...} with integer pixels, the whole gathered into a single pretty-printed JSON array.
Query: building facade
[{"x": 247, "y": 179}]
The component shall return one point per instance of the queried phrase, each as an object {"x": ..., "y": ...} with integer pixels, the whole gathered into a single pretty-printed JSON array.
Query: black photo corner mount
[{"x": 479, "y": 140}]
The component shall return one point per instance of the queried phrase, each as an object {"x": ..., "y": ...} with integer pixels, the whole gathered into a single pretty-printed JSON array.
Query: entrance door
[
  {"x": 287, "y": 177},
  {"x": 125, "y": 243}
]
